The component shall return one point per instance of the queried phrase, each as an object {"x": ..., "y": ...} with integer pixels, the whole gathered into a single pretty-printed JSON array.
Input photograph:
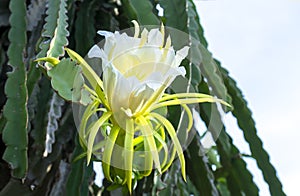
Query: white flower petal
[
  {"x": 155, "y": 81},
  {"x": 96, "y": 52},
  {"x": 134, "y": 68},
  {"x": 105, "y": 33},
  {"x": 118, "y": 90},
  {"x": 168, "y": 56},
  {"x": 139, "y": 97},
  {"x": 155, "y": 38},
  {"x": 126, "y": 61},
  {"x": 144, "y": 37},
  {"x": 180, "y": 55},
  {"x": 124, "y": 43},
  {"x": 148, "y": 54},
  {"x": 110, "y": 42}
]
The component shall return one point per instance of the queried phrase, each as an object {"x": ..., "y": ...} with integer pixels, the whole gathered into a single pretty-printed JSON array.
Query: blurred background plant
[{"x": 33, "y": 118}]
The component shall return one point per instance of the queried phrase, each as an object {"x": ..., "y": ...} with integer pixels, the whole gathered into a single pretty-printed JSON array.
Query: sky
[{"x": 258, "y": 42}]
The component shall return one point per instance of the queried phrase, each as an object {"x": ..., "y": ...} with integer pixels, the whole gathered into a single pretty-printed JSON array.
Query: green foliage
[
  {"x": 58, "y": 18},
  {"x": 15, "y": 110},
  {"x": 78, "y": 179},
  {"x": 144, "y": 8},
  {"x": 200, "y": 174},
  {"x": 53, "y": 38},
  {"x": 195, "y": 28},
  {"x": 208, "y": 66},
  {"x": 175, "y": 14},
  {"x": 196, "y": 33},
  {"x": 38, "y": 107},
  {"x": 85, "y": 20},
  {"x": 29, "y": 103},
  {"x": 246, "y": 123},
  {"x": 233, "y": 167},
  {"x": 70, "y": 86},
  {"x": 210, "y": 71},
  {"x": 173, "y": 184},
  {"x": 4, "y": 13},
  {"x": 140, "y": 10}
]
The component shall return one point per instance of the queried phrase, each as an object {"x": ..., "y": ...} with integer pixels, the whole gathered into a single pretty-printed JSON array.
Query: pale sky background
[{"x": 258, "y": 42}]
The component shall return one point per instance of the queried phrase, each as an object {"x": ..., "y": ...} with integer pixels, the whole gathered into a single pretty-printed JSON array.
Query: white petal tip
[
  {"x": 105, "y": 33},
  {"x": 95, "y": 51}
]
